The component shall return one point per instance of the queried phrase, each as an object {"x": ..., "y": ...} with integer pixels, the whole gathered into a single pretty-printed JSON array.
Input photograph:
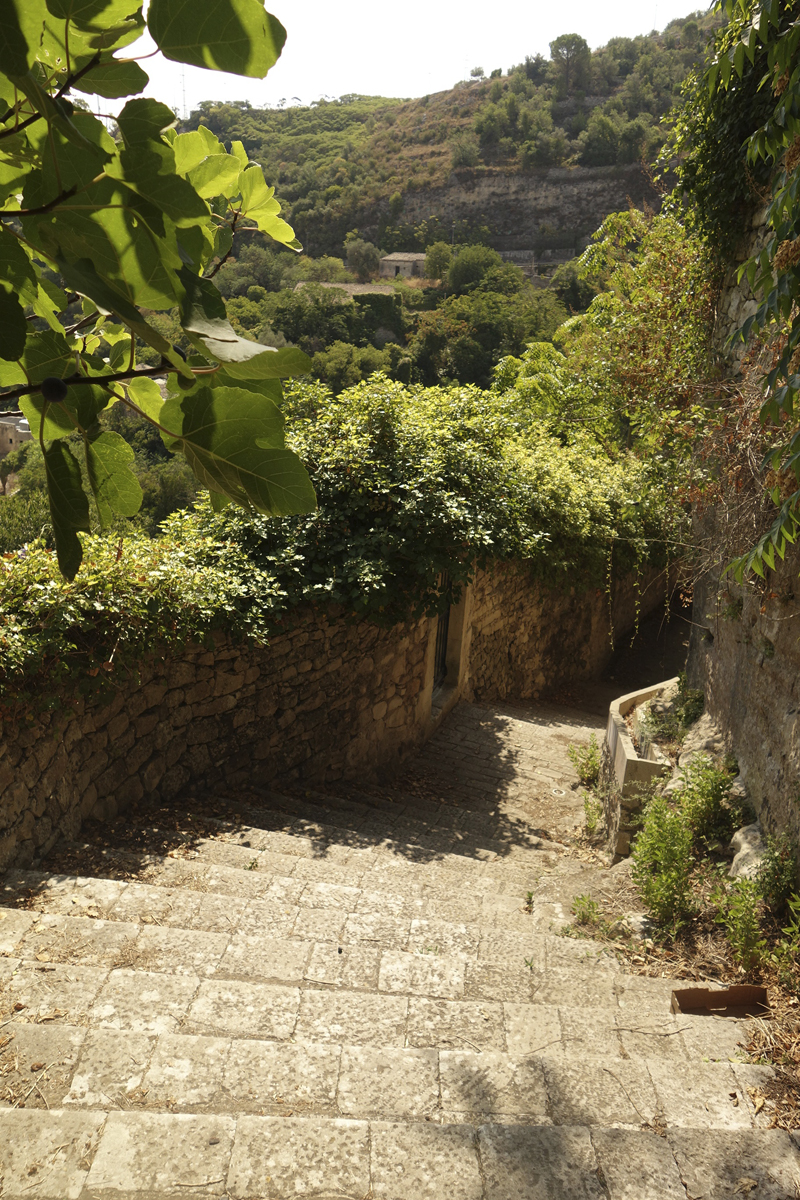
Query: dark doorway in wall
[{"x": 442, "y": 630}]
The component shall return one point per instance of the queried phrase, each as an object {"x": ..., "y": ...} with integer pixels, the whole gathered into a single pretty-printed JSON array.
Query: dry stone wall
[
  {"x": 527, "y": 639},
  {"x": 745, "y": 654},
  {"x": 326, "y": 699}
]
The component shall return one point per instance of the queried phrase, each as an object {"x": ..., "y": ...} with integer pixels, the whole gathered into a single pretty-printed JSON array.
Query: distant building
[
  {"x": 349, "y": 290},
  {"x": 402, "y": 266},
  {"x": 13, "y": 432}
]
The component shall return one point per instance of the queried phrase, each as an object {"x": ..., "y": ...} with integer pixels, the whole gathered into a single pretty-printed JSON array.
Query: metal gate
[{"x": 442, "y": 629}]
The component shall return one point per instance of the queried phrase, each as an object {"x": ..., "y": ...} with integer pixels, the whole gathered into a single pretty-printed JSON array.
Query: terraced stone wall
[
  {"x": 326, "y": 699},
  {"x": 745, "y": 654},
  {"x": 527, "y": 639}
]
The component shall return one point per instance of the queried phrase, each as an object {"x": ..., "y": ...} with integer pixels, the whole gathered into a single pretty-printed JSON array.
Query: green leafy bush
[
  {"x": 662, "y": 863},
  {"x": 777, "y": 873},
  {"x": 24, "y": 519},
  {"x": 703, "y": 798},
  {"x": 740, "y": 914},
  {"x": 133, "y": 597},
  {"x": 586, "y": 761}
]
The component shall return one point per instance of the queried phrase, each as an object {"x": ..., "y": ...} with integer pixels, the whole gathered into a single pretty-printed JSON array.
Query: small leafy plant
[
  {"x": 586, "y": 761},
  {"x": 585, "y": 910},
  {"x": 740, "y": 914},
  {"x": 593, "y": 812}
]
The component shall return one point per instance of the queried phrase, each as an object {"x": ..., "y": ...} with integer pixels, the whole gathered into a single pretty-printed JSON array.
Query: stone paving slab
[
  {"x": 491, "y": 1083},
  {"x": 55, "y": 938},
  {"x": 14, "y": 924},
  {"x": 47, "y": 1156},
  {"x": 242, "y": 1009},
  {"x": 716, "y": 1165},
  {"x": 422, "y": 975},
  {"x": 185, "y": 1071},
  {"x": 471, "y": 1024},
  {"x": 265, "y": 959},
  {"x": 637, "y": 1165},
  {"x": 143, "y": 1001},
  {"x": 111, "y": 1066},
  {"x": 284, "y": 1079},
  {"x": 276, "y": 1159},
  {"x": 439, "y": 1163},
  {"x": 50, "y": 991},
  {"x": 37, "y": 1063},
  {"x": 592, "y": 1093},
  {"x": 700, "y": 1095},
  {"x": 386, "y": 1083},
  {"x": 150, "y": 1154},
  {"x": 354, "y": 968},
  {"x": 352, "y": 1017},
  {"x": 524, "y": 1163}
]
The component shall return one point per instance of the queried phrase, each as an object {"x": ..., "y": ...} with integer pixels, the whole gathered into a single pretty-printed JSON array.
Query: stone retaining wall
[
  {"x": 326, "y": 699},
  {"x": 745, "y": 655},
  {"x": 527, "y": 639}
]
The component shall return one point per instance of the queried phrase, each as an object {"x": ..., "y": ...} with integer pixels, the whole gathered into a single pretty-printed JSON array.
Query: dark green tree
[{"x": 572, "y": 58}]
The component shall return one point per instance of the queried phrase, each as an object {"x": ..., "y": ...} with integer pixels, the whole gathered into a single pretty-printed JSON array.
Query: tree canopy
[{"x": 98, "y": 233}]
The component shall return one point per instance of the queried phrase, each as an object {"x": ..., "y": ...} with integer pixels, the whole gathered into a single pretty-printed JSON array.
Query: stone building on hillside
[
  {"x": 402, "y": 266},
  {"x": 13, "y": 432}
]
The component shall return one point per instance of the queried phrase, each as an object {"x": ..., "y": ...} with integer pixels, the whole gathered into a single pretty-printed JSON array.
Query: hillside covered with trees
[{"x": 348, "y": 162}]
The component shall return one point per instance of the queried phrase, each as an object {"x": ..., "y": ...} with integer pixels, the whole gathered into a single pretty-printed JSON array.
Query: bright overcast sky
[{"x": 404, "y": 50}]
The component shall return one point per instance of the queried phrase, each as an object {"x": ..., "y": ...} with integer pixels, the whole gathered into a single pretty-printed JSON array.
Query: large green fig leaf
[
  {"x": 69, "y": 507},
  {"x": 116, "y": 489},
  {"x": 223, "y": 35},
  {"x": 233, "y": 442}
]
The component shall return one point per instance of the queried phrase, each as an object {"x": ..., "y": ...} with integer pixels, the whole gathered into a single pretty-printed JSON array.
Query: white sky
[{"x": 406, "y": 49}]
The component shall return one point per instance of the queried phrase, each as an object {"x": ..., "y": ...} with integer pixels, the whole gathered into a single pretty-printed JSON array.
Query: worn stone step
[
  {"x": 268, "y": 850},
  {"x": 180, "y": 898},
  {"x": 234, "y": 872},
  {"x": 487, "y": 831},
  {"x": 181, "y": 929},
  {"x": 363, "y": 996},
  {"x": 93, "y": 1156},
  {"x": 318, "y": 1071},
  {"x": 409, "y": 843}
]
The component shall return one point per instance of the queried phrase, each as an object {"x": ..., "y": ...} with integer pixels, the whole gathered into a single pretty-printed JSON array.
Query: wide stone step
[
  {"x": 363, "y": 997},
  {"x": 501, "y": 834},
  {"x": 232, "y": 872},
  {"x": 195, "y": 932},
  {"x": 318, "y": 1071},
  {"x": 278, "y": 852},
  {"x": 93, "y": 1156},
  {"x": 270, "y": 902}
]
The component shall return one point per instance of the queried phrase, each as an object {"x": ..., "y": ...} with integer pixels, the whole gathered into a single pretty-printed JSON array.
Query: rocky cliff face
[{"x": 551, "y": 208}]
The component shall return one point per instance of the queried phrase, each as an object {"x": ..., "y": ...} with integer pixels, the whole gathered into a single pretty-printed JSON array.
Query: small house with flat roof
[{"x": 402, "y": 266}]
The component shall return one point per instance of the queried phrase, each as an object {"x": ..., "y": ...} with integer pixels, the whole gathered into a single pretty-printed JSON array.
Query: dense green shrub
[
  {"x": 778, "y": 872},
  {"x": 132, "y": 597},
  {"x": 662, "y": 863},
  {"x": 702, "y": 798}
]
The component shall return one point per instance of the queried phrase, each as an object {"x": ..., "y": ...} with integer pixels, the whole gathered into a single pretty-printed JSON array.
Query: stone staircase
[{"x": 358, "y": 996}]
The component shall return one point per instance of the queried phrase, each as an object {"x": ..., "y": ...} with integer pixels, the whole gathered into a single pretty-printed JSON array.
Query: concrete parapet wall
[{"x": 624, "y": 772}]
